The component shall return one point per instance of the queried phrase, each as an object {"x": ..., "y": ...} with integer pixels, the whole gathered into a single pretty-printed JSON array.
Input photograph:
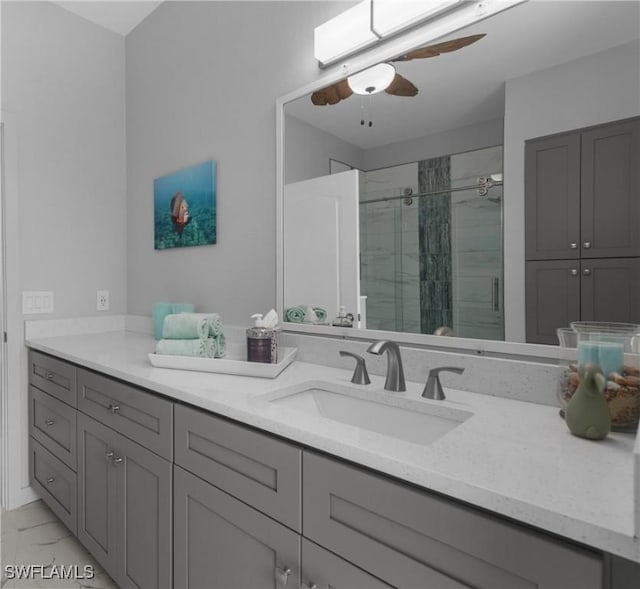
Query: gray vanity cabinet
[
  {"x": 222, "y": 543},
  {"x": 325, "y": 570},
  {"x": 411, "y": 538},
  {"x": 124, "y": 506}
]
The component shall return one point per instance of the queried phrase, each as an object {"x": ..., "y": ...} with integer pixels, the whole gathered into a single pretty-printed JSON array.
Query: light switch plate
[{"x": 37, "y": 301}]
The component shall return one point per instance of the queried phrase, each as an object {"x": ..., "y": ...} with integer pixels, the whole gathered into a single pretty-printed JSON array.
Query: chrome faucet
[
  {"x": 433, "y": 388},
  {"x": 395, "y": 373}
]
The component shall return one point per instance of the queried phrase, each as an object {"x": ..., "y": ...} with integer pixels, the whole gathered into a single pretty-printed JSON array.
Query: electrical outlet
[{"x": 102, "y": 300}]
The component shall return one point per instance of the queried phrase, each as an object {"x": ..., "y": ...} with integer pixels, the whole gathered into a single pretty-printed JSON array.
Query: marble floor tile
[{"x": 33, "y": 535}]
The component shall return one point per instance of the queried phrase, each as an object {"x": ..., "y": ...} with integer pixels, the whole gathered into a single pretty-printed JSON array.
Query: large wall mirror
[{"x": 438, "y": 178}]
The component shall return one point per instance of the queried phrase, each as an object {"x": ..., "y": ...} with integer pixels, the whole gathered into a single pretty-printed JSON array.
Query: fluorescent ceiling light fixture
[
  {"x": 372, "y": 80},
  {"x": 391, "y": 16},
  {"x": 370, "y": 21},
  {"x": 344, "y": 34}
]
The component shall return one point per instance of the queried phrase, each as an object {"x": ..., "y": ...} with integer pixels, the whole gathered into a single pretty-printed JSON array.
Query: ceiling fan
[{"x": 398, "y": 85}]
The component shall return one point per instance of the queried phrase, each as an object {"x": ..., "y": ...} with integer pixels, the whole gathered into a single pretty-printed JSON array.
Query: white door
[{"x": 321, "y": 245}]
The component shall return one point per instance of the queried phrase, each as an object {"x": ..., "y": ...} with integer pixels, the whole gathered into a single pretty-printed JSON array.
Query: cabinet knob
[
  {"x": 50, "y": 480},
  {"x": 311, "y": 585},
  {"x": 114, "y": 408},
  {"x": 586, "y": 245},
  {"x": 282, "y": 574},
  {"x": 573, "y": 245},
  {"x": 574, "y": 272},
  {"x": 49, "y": 422},
  {"x": 117, "y": 460},
  {"x": 109, "y": 455},
  {"x": 587, "y": 272},
  {"x": 49, "y": 376}
]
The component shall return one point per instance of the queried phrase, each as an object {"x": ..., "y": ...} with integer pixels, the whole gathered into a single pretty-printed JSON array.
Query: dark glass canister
[{"x": 259, "y": 347}]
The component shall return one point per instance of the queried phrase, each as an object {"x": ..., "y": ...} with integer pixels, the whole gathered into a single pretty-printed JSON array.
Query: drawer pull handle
[
  {"x": 117, "y": 460},
  {"x": 49, "y": 376},
  {"x": 109, "y": 455},
  {"x": 573, "y": 246},
  {"x": 282, "y": 575},
  {"x": 50, "y": 480},
  {"x": 312, "y": 585},
  {"x": 586, "y": 245},
  {"x": 49, "y": 422},
  {"x": 587, "y": 272},
  {"x": 114, "y": 408}
]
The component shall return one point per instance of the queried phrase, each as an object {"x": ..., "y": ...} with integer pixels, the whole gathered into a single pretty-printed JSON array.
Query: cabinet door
[
  {"x": 145, "y": 514},
  {"x": 610, "y": 290},
  {"x": 552, "y": 298},
  {"x": 124, "y": 506},
  {"x": 325, "y": 570},
  {"x": 97, "y": 492},
  {"x": 222, "y": 543},
  {"x": 610, "y": 205},
  {"x": 552, "y": 197}
]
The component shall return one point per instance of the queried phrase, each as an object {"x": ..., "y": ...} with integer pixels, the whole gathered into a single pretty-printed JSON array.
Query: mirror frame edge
[{"x": 382, "y": 52}]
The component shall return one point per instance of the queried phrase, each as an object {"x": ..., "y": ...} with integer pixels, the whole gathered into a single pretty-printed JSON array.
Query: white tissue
[{"x": 270, "y": 319}]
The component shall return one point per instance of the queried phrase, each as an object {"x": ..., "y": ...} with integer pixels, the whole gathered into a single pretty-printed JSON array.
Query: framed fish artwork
[{"x": 185, "y": 207}]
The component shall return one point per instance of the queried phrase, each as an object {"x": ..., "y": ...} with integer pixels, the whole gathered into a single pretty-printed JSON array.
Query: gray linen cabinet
[{"x": 582, "y": 212}]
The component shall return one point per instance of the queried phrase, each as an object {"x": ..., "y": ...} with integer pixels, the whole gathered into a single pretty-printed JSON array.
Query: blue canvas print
[{"x": 185, "y": 207}]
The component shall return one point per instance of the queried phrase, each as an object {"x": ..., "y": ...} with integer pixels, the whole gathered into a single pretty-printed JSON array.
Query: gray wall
[
  {"x": 308, "y": 150},
  {"x": 63, "y": 80},
  {"x": 478, "y": 136},
  {"x": 596, "y": 89},
  {"x": 202, "y": 80}
]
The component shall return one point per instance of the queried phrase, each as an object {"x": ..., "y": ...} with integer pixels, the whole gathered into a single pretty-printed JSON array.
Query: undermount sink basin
[{"x": 419, "y": 422}]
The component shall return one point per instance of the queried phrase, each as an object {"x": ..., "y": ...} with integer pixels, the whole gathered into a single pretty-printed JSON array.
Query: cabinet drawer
[
  {"x": 427, "y": 541},
  {"x": 55, "y": 482},
  {"x": 53, "y": 424},
  {"x": 56, "y": 377},
  {"x": 252, "y": 466},
  {"x": 141, "y": 416}
]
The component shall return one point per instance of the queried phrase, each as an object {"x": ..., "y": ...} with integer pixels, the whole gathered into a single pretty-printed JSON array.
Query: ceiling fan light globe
[{"x": 372, "y": 80}]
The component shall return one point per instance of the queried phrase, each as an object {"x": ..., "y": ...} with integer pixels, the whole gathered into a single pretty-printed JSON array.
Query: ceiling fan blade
[
  {"x": 332, "y": 94},
  {"x": 439, "y": 48},
  {"x": 401, "y": 87}
]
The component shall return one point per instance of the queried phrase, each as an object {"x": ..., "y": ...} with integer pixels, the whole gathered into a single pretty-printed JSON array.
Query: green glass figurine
[{"x": 587, "y": 413}]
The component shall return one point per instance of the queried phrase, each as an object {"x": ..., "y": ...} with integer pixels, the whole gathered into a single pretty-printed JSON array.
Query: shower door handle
[{"x": 495, "y": 294}]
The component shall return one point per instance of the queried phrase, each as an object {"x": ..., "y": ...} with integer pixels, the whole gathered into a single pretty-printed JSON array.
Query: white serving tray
[{"x": 233, "y": 363}]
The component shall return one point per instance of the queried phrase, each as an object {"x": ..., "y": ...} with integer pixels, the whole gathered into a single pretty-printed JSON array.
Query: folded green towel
[
  {"x": 185, "y": 326},
  {"x": 220, "y": 345},
  {"x": 321, "y": 314},
  {"x": 215, "y": 324},
  {"x": 191, "y": 325},
  {"x": 294, "y": 315},
  {"x": 199, "y": 348}
]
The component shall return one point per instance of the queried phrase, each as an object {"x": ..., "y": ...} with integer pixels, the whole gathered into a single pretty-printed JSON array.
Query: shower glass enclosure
[{"x": 431, "y": 245}]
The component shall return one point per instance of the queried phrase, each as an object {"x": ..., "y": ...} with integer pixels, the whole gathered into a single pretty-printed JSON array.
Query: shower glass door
[{"x": 431, "y": 245}]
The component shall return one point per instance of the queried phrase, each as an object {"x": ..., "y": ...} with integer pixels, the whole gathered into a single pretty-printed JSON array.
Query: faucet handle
[
  {"x": 433, "y": 388},
  {"x": 360, "y": 374}
]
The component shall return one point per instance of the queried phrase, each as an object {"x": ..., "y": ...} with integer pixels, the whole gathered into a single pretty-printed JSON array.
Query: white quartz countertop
[{"x": 513, "y": 458}]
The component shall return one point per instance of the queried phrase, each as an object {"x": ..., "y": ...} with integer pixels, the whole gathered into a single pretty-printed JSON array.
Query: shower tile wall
[
  {"x": 389, "y": 250},
  {"x": 436, "y": 306},
  {"x": 476, "y": 239}
]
